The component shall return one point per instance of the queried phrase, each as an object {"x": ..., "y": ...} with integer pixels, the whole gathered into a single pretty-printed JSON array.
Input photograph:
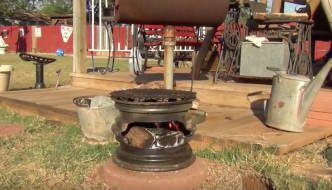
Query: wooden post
[
  {"x": 276, "y": 6},
  {"x": 33, "y": 39},
  {"x": 313, "y": 4},
  {"x": 79, "y": 36},
  {"x": 203, "y": 51}
]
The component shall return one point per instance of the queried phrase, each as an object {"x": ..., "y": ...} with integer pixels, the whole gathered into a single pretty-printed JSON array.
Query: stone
[
  {"x": 188, "y": 178},
  {"x": 8, "y": 130}
]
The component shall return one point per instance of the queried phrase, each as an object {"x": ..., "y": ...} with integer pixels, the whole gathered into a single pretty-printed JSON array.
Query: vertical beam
[
  {"x": 169, "y": 44},
  {"x": 263, "y": 1},
  {"x": 92, "y": 23},
  {"x": 79, "y": 36},
  {"x": 100, "y": 25},
  {"x": 312, "y": 49},
  {"x": 313, "y": 5},
  {"x": 127, "y": 37},
  {"x": 276, "y": 6},
  {"x": 33, "y": 39},
  {"x": 203, "y": 51},
  {"x": 134, "y": 30}
]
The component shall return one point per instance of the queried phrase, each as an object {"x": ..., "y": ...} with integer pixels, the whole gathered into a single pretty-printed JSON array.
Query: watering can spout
[{"x": 310, "y": 92}]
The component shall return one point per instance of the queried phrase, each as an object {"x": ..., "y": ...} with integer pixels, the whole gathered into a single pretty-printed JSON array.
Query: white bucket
[
  {"x": 96, "y": 120},
  {"x": 5, "y": 73},
  {"x": 3, "y": 49}
]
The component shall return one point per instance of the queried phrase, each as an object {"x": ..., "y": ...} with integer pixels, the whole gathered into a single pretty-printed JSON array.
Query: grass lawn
[
  {"x": 49, "y": 156},
  {"x": 24, "y": 75}
]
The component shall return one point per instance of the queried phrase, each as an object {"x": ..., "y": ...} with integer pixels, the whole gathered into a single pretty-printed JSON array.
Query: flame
[{"x": 171, "y": 125}]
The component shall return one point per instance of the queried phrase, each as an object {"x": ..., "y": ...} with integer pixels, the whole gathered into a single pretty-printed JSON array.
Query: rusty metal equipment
[
  {"x": 169, "y": 43},
  {"x": 277, "y": 30},
  {"x": 40, "y": 62},
  {"x": 171, "y": 12},
  {"x": 153, "y": 128}
]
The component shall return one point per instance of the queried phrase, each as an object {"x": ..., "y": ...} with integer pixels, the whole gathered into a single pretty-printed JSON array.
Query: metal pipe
[
  {"x": 136, "y": 68},
  {"x": 327, "y": 6},
  {"x": 127, "y": 37},
  {"x": 39, "y": 76},
  {"x": 93, "y": 24},
  {"x": 169, "y": 44},
  {"x": 118, "y": 46},
  {"x": 106, "y": 37},
  {"x": 100, "y": 26}
]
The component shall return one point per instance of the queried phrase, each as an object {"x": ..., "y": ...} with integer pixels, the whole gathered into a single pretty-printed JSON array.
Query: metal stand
[
  {"x": 39, "y": 76},
  {"x": 169, "y": 43},
  {"x": 40, "y": 62}
]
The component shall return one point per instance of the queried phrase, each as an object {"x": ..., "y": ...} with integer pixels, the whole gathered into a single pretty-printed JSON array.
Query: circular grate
[{"x": 152, "y": 95}]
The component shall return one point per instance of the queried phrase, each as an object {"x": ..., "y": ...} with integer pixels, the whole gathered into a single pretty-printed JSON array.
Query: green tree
[
  {"x": 56, "y": 7},
  {"x": 11, "y": 7}
]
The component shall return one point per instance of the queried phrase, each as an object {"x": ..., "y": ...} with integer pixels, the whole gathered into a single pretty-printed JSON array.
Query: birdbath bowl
[{"x": 40, "y": 62}]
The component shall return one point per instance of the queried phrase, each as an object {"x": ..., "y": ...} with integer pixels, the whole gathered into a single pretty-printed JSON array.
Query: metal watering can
[{"x": 291, "y": 98}]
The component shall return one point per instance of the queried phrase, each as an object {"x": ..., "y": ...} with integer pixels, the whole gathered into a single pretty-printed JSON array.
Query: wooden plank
[
  {"x": 250, "y": 130},
  {"x": 242, "y": 127},
  {"x": 59, "y": 102},
  {"x": 79, "y": 37},
  {"x": 219, "y": 118},
  {"x": 291, "y": 141},
  {"x": 281, "y": 16},
  {"x": 71, "y": 107},
  {"x": 227, "y": 94},
  {"x": 48, "y": 112},
  {"x": 320, "y": 116},
  {"x": 232, "y": 99},
  {"x": 37, "y": 90},
  {"x": 32, "y": 94},
  {"x": 319, "y": 123},
  {"x": 128, "y": 77},
  {"x": 61, "y": 96},
  {"x": 100, "y": 84},
  {"x": 321, "y": 108}
]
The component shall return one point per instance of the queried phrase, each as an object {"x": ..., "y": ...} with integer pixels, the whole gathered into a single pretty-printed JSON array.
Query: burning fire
[{"x": 171, "y": 125}]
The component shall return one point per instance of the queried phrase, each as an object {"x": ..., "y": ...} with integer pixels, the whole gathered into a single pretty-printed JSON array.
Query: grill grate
[{"x": 152, "y": 95}]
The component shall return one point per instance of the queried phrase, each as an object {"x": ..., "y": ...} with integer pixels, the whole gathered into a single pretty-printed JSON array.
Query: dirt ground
[{"x": 219, "y": 177}]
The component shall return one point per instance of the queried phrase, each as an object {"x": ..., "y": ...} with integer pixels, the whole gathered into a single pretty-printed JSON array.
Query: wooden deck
[
  {"x": 242, "y": 95},
  {"x": 225, "y": 126},
  {"x": 52, "y": 104}
]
